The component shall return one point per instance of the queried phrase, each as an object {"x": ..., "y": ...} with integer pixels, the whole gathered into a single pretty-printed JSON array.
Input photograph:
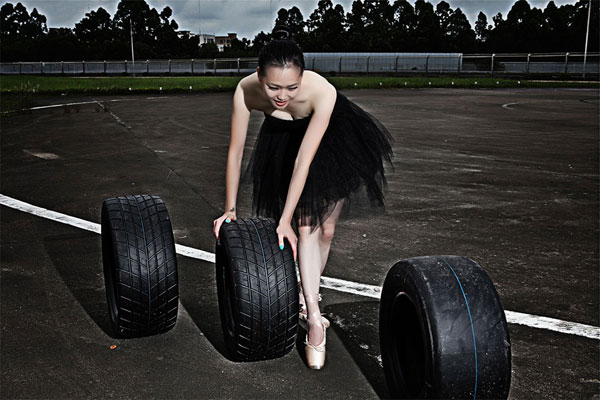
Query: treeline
[{"x": 370, "y": 26}]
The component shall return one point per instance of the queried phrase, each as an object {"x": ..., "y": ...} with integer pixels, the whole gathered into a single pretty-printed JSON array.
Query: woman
[{"x": 315, "y": 151}]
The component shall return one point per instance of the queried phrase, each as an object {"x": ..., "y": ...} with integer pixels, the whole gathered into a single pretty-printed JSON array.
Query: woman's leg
[
  {"x": 309, "y": 264},
  {"x": 313, "y": 251},
  {"x": 327, "y": 231}
]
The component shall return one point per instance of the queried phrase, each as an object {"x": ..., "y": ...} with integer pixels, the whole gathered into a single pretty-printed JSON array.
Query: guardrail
[{"x": 570, "y": 64}]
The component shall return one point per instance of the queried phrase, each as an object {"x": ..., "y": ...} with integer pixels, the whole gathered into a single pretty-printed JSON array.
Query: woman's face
[{"x": 281, "y": 85}]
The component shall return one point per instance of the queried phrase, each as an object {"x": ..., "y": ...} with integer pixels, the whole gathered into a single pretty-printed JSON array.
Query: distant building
[
  {"x": 220, "y": 41},
  {"x": 206, "y": 38}
]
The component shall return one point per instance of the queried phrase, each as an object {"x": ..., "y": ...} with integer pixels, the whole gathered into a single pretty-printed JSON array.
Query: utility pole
[
  {"x": 132, "y": 56},
  {"x": 587, "y": 33}
]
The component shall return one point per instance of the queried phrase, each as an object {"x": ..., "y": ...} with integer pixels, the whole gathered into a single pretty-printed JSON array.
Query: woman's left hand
[{"x": 284, "y": 230}]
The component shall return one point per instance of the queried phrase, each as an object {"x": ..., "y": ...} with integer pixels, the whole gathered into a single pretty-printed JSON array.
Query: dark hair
[{"x": 281, "y": 51}]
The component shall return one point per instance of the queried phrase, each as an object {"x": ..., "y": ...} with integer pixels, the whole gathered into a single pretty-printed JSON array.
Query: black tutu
[{"x": 348, "y": 165}]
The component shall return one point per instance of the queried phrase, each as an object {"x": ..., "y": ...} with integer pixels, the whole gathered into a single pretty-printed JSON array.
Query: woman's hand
[
  {"x": 284, "y": 230},
  {"x": 227, "y": 217}
]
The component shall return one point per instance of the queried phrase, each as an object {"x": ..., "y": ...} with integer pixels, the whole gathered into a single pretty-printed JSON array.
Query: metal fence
[{"x": 570, "y": 64}]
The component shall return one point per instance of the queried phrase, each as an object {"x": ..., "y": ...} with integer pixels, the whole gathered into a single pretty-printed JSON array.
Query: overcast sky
[{"x": 244, "y": 17}]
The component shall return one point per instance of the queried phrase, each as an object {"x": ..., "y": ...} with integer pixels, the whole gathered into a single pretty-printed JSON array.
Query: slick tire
[{"x": 443, "y": 332}]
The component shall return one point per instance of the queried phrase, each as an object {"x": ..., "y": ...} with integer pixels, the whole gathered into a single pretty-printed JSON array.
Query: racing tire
[
  {"x": 257, "y": 290},
  {"x": 443, "y": 332},
  {"x": 140, "y": 265}
]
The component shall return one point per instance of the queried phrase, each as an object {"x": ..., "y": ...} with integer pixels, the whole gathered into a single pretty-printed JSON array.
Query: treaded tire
[
  {"x": 140, "y": 265},
  {"x": 257, "y": 289},
  {"x": 434, "y": 312}
]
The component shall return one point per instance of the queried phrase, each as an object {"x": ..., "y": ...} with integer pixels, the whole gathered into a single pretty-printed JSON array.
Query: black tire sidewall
[
  {"x": 463, "y": 328},
  {"x": 401, "y": 287},
  {"x": 257, "y": 290}
]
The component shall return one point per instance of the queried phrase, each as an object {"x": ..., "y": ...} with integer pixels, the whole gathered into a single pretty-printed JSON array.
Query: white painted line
[
  {"x": 508, "y": 106},
  {"x": 361, "y": 289},
  {"x": 112, "y": 114},
  {"x": 551, "y": 324},
  {"x": 59, "y": 105},
  {"x": 195, "y": 253},
  {"x": 86, "y": 102},
  {"x": 42, "y": 155},
  {"x": 77, "y": 103},
  {"x": 48, "y": 214}
]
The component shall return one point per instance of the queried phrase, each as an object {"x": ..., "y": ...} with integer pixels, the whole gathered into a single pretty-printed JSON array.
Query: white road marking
[
  {"x": 48, "y": 214},
  {"x": 42, "y": 155},
  {"x": 112, "y": 114},
  {"x": 361, "y": 289},
  {"x": 508, "y": 106},
  {"x": 84, "y": 102},
  {"x": 59, "y": 105},
  {"x": 551, "y": 324}
]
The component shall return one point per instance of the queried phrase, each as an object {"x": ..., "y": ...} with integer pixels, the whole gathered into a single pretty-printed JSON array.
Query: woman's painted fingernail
[
  {"x": 280, "y": 247},
  {"x": 228, "y": 220}
]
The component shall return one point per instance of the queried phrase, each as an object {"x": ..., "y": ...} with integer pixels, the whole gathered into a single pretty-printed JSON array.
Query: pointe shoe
[{"x": 315, "y": 355}]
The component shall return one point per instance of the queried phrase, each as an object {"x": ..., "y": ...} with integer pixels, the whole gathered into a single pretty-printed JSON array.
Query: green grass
[
  {"x": 447, "y": 82},
  {"x": 114, "y": 85},
  {"x": 124, "y": 85},
  {"x": 17, "y": 92}
]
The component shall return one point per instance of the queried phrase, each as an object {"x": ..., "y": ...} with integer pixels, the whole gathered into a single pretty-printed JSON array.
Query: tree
[
  {"x": 521, "y": 32},
  {"x": 294, "y": 20},
  {"x": 325, "y": 28},
  {"x": 428, "y": 32},
  {"x": 209, "y": 50},
  {"x": 460, "y": 35},
  {"x": 403, "y": 25},
  {"x": 556, "y": 25},
  {"x": 578, "y": 26},
  {"x": 482, "y": 29},
  {"x": 62, "y": 44},
  {"x": 238, "y": 48},
  {"x": 17, "y": 23},
  {"x": 443, "y": 12},
  {"x": 259, "y": 41},
  {"x": 95, "y": 27},
  {"x": 379, "y": 18},
  {"x": 356, "y": 20}
]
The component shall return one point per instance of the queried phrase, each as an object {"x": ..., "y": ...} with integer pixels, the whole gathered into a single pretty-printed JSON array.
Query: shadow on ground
[
  {"x": 85, "y": 282},
  {"x": 198, "y": 295},
  {"x": 355, "y": 325}
]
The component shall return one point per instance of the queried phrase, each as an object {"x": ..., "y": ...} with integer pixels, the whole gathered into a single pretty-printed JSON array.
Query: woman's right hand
[{"x": 228, "y": 216}]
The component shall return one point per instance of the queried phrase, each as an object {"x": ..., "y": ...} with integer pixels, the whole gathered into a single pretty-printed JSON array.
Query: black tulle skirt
[{"x": 347, "y": 167}]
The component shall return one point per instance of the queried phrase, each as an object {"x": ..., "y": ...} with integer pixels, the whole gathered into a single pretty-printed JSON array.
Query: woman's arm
[
  {"x": 308, "y": 148},
  {"x": 239, "y": 127}
]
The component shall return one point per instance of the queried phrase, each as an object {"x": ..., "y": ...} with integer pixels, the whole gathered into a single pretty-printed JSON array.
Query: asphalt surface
[{"x": 507, "y": 177}]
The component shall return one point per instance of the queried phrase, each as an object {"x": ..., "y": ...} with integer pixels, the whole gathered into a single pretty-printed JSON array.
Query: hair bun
[{"x": 281, "y": 32}]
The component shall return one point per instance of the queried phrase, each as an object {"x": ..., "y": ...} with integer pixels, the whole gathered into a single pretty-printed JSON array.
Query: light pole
[
  {"x": 587, "y": 33},
  {"x": 132, "y": 56}
]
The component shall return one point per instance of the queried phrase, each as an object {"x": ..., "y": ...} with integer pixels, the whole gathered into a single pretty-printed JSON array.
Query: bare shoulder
[
  {"x": 323, "y": 94},
  {"x": 248, "y": 87}
]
